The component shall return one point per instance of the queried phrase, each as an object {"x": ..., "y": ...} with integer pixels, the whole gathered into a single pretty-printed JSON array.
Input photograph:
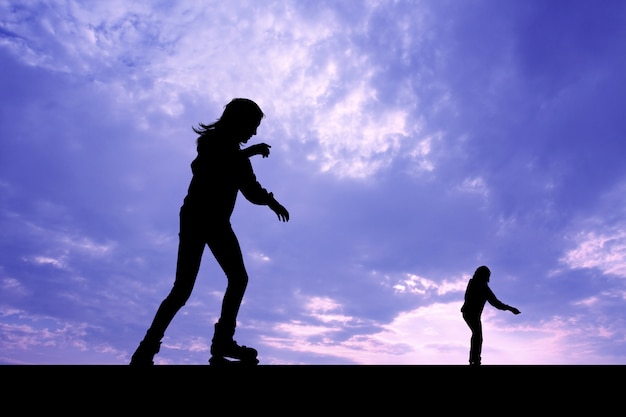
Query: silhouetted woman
[
  {"x": 476, "y": 295},
  {"x": 220, "y": 170}
]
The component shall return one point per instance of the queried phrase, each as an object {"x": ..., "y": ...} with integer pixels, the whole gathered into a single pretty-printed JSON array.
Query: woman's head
[
  {"x": 240, "y": 120},
  {"x": 482, "y": 274},
  {"x": 240, "y": 109}
]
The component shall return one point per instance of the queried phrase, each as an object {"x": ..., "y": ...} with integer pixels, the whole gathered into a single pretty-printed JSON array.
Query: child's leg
[{"x": 476, "y": 340}]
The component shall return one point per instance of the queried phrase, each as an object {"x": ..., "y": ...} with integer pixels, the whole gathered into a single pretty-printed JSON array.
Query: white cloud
[
  {"x": 327, "y": 311},
  {"x": 437, "y": 335},
  {"x": 421, "y": 154},
  {"x": 191, "y": 344},
  {"x": 26, "y": 330},
  {"x": 475, "y": 185},
  {"x": 46, "y": 260},
  {"x": 308, "y": 73},
  {"x": 599, "y": 240},
  {"x": 322, "y": 304},
  {"x": 65, "y": 248},
  {"x": 588, "y": 302},
  {"x": 260, "y": 257},
  {"x": 414, "y": 284},
  {"x": 603, "y": 250},
  {"x": 299, "y": 331},
  {"x": 12, "y": 285}
]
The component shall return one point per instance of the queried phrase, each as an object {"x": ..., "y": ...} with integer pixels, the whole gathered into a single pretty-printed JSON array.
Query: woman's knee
[
  {"x": 239, "y": 280},
  {"x": 179, "y": 295}
]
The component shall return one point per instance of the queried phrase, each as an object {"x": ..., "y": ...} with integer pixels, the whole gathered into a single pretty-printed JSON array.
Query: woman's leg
[
  {"x": 227, "y": 251},
  {"x": 225, "y": 247},
  {"x": 190, "y": 249},
  {"x": 187, "y": 267}
]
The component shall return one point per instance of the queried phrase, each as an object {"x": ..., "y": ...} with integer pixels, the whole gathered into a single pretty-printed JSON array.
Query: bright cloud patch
[
  {"x": 600, "y": 240},
  {"x": 315, "y": 82},
  {"x": 414, "y": 284},
  {"x": 603, "y": 251}
]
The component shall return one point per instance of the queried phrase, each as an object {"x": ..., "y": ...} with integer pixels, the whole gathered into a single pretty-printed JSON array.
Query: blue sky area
[{"x": 412, "y": 141}]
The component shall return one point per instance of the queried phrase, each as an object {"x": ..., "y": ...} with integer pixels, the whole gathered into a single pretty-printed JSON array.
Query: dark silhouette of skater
[
  {"x": 220, "y": 170},
  {"x": 476, "y": 295}
]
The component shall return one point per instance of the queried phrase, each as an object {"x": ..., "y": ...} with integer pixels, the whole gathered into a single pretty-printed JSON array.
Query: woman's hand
[
  {"x": 281, "y": 212},
  {"x": 257, "y": 149}
]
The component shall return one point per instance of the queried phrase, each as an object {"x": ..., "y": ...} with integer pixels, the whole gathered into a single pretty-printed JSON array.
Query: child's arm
[
  {"x": 513, "y": 310},
  {"x": 257, "y": 149},
  {"x": 491, "y": 297}
]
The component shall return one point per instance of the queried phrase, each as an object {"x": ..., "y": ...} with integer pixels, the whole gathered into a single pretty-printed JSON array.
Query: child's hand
[{"x": 258, "y": 149}]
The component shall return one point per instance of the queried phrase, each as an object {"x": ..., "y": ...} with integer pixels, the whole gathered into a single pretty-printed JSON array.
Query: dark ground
[{"x": 312, "y": 389}]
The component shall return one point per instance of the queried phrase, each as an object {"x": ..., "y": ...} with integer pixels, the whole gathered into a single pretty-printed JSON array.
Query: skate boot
[
  {"x": 226, "y": 351},
  {"x": 144, "y": 354},
  {"x": 475, "y": 362}
]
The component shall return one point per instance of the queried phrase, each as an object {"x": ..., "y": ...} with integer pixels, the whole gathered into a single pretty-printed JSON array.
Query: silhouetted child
[
  {"x": 476, "y": 295},
  {"x": 220, "y": 170}
]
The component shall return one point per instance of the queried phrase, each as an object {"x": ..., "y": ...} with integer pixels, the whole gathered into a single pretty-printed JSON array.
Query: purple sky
[{"x": 412, "y": 141}]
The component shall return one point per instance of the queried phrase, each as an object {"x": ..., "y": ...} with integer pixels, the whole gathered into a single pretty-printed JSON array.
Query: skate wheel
[{"x": 225, "y": 362}]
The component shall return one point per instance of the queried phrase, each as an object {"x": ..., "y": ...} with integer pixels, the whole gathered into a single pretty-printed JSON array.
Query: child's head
[{"x": 482, "y": 274}]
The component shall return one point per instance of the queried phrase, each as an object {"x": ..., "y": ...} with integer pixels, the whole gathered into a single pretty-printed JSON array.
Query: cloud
[
  {"x": 413, "y": 284},
  {"x": 436, "y": 335},
  {"x": 599, "y": 240},
  {"x": 605, "y": 252},
  {"x": 307, "y": 73},
  {"x": 412, "y": 141},
  {"x": 46, "y": 338}
]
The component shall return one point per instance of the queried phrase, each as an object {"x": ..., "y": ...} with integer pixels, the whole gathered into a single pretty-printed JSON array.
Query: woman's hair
[
  {"x": 482, "y": 273},
  {"x": 234, "y": 112}
]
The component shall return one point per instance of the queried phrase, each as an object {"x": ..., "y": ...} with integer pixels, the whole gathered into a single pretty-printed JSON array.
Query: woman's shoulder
[{"x": 211, "y": 142}]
